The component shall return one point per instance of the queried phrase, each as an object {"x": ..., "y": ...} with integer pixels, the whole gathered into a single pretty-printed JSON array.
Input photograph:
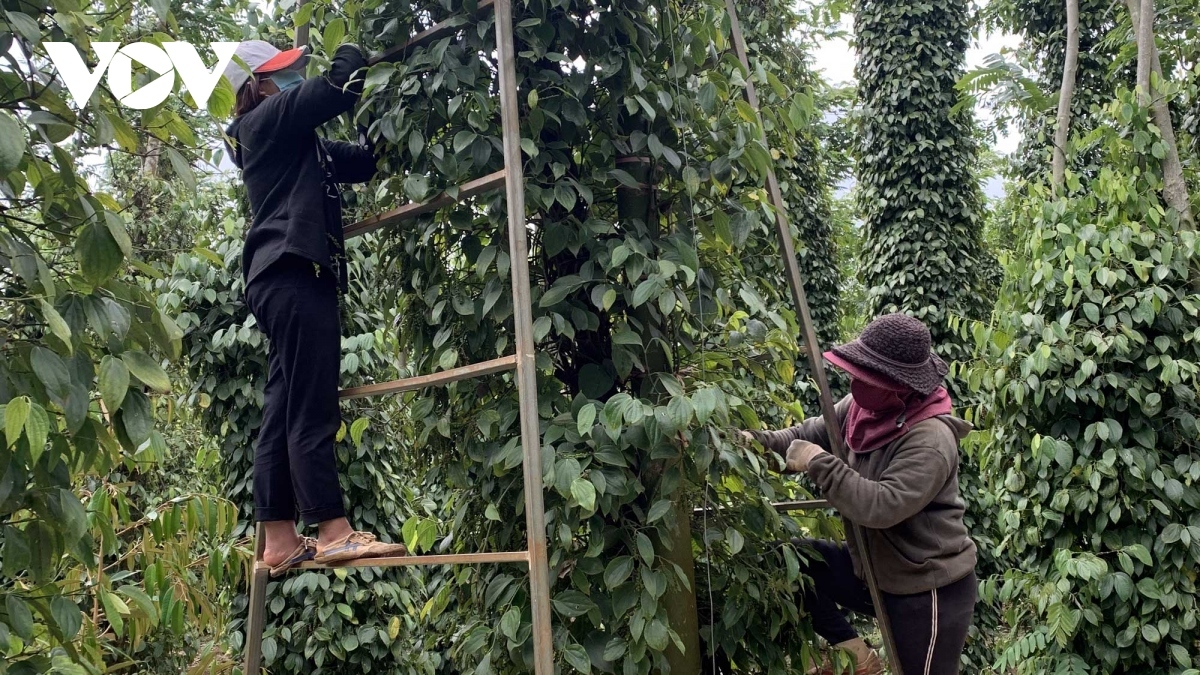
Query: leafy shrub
[{"x": 1089, "y": 391}]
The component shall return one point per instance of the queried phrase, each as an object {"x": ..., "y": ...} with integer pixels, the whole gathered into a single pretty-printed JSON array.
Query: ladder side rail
[{"x": 518, "y": 249}]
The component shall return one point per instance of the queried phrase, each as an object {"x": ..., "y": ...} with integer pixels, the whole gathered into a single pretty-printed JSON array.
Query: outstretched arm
[
  {"x": 352, "y": 163},
  {"x": 811, "y": 430},
  {"x": 317, "y": 100}
]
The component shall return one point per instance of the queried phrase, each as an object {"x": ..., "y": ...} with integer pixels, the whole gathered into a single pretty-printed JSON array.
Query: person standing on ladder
[
  {"x": 901, "y": 487},
  {"x": 294, "y": 267}
]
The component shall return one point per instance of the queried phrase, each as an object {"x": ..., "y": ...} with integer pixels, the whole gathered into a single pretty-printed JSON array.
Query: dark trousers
[
  {"x": 294, "y": 464},
  {"x": 930, "y": 628}
]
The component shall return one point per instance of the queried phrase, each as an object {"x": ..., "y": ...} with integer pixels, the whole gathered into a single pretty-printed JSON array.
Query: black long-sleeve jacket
[{"x": 292, "y": 175}]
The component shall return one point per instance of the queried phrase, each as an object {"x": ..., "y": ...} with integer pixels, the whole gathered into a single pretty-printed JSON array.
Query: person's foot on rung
[
  {"x": 356, "y": 546},
  {"x": 866, "y": 661},
  {"x": 304, "y": 551},
  {"x": 280, "y": 548}
]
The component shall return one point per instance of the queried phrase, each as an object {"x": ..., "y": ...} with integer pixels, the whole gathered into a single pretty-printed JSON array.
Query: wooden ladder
[{"x": 512, "y": 179}]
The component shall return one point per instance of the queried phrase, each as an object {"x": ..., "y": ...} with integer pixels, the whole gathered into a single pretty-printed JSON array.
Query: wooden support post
[{"x": 257, "y": 606}]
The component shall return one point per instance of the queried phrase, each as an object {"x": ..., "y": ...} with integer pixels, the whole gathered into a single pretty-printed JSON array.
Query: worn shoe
[
  {"x": 305, "y": 550},
  {"x": 358, "y": 545},
  {"x": 869, "y": 666}
]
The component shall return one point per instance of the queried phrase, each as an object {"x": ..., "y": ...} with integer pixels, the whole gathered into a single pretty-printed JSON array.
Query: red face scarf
[{"x": 879, "y": 415}]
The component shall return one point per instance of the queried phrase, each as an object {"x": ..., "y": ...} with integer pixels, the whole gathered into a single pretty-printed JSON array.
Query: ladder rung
[
  {"x": 410, "y": 211},
  {"x": 803, "y": 505},
  {"x": 421, "y": 381},
  {"x": 782, "y": 507},
  {"x": 434, "y": 32},
  {"x": 415, "y": 560}
]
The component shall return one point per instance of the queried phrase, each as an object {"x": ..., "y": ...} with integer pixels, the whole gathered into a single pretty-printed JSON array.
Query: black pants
[
  {"x": 294, "y": 466},
  {"x": 930, "y": 628}
]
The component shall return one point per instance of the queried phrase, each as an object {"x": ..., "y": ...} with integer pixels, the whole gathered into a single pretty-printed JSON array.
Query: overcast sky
[{"x": 835, "y": 61}]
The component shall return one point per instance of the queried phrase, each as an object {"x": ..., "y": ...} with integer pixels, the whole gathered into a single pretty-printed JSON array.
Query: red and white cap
[{"x": 260, "y": 57}]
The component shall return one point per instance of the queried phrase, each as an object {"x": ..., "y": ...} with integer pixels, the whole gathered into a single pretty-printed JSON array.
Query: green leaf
[
  {"x": 557, "y": 293},
  {"x": 578, "y": 657},
  {"x": 98, "y": 253},
  {"x": 645, "y": 548},
  {"x": 704, "y": 402},
  {"x": 1123, "y": 585},
  {"x": 625, "y": 178},
  {"x": 26, "y": 26},
  {"x": 51, "y": 370},
  {"x": 1063, "y": 454},
  {"x": 1181, "y": 656},
  {"x": 143, "y": 602},
  {"x": 510, "y": 623},
  {"x": 1149, "y": 588},
  {"x": 1151, "y": 634},
  {"x": 586, "y": 419},
  {"x": 183, "y": 169},
  {"x": 660, "y": 509},
  {"x": 12, "y": 143},
  {"x": 529, "y": 147},
  {"x": 357, "y": 428},
  {"x": 57, "y": 324},
  {"x": 735, "y": 540},
  {"x": 655, "y": 145},
  {"x": 617, "y": 571},
  {"x": 745, "y": 111},
  {"x": 37, "y": 430},
  {"x": 572, "y": 603},
  {"x": 463, "y": 140},
  {"x": 147, "y": 370},
  {"x": 656, "y": 635},
  {"x": 221, "y": 101},
  {"x": 1138, "y": 551},
  {"x": 115, "y": 610},
  {"x": 646, "y": 290},
  {"x": 114, "y": 382},
  {"x": 20, "y": 618},
  {"x": 15, "y": 414},
  {"x": 303, "y": 14},
  {"x": 584, "y": 492},
  {"x": 564, "y": 195},
  {"x": 680, "y": 411},
  {"x": 335, "y": 33},
  {"x": 67, "y": 616},
  {"x": 691, "y": 180}
]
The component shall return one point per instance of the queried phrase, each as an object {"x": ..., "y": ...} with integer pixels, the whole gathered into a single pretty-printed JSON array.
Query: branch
[{"x": 1070, "y": 67}]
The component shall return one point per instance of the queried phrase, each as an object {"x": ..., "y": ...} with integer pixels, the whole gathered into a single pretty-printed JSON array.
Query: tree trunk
[
  {"x": 638, "y": 205},
  {"x": 1070, "y": 67},
  {"x": 1143, "y": 27},
  {"x": 681, "y": 602},
  {"x": 1175, "y": 191}
]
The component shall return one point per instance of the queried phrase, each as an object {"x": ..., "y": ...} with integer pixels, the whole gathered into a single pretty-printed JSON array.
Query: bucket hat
[
  {"x": 261, "y": 57},
  {"x": 896, "y": 346}
]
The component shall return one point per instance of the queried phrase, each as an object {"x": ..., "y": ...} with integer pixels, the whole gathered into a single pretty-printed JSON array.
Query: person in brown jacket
[{"x": 900, "y": 484}]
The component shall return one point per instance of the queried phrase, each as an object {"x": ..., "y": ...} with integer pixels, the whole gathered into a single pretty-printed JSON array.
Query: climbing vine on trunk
[{"x": 917, "y": 196}]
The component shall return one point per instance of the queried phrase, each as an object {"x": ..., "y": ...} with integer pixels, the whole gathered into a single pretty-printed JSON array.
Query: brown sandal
[
  {"x": 358, "y": 545},
  {"x": 306, "y": 550}
]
